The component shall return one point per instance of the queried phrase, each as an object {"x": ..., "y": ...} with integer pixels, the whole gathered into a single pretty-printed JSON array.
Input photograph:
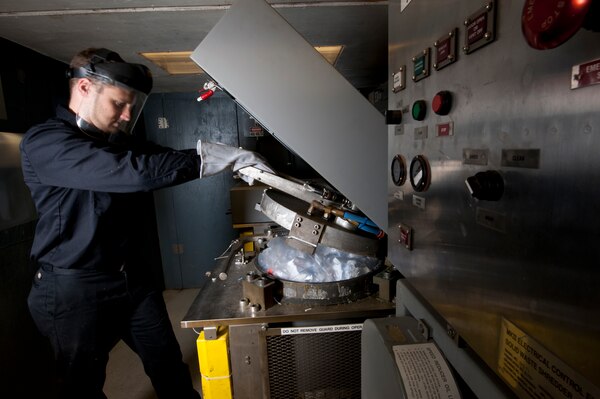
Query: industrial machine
[
  {"x": 285, "y": 306},
  {"x": 487, "y": 197}
]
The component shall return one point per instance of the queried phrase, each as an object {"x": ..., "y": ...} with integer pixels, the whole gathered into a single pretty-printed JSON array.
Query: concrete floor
[{"x": 125, "y": 377}]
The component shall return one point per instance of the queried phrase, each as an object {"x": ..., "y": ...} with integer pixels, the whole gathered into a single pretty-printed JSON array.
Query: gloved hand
[{"x": 219, "y": 157}]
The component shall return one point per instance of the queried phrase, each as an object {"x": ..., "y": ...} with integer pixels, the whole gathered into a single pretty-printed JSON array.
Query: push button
[
  {"x": 442, "y": 103},
  {"x": 419, "y": 110}
]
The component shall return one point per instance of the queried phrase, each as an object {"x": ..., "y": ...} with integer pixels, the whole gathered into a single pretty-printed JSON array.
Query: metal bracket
[
  {"x": 305, "y": 234},
  {"x": 210, "y": 333}
]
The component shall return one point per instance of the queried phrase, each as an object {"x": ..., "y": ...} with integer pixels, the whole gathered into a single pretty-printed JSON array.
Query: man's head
[{"x": 107, "y": 93}]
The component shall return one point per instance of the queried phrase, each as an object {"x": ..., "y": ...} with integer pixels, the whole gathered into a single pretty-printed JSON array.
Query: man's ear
[{"x": 83, "y": 86}]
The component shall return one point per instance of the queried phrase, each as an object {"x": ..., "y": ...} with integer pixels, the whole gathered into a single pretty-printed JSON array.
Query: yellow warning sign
[{"x": 534, "y": 372}]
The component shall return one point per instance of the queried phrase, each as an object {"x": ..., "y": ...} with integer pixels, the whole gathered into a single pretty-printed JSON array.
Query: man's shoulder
[{"x": 48, "y": 131}]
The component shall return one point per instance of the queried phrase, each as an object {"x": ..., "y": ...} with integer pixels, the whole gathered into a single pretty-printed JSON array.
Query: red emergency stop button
[
  {"x": 547, "y": 24},
  {"x": 442, "y": 102}
]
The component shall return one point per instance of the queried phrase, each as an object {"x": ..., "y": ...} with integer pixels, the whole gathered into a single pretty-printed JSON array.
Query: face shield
[{"x": 118, "y": 93}]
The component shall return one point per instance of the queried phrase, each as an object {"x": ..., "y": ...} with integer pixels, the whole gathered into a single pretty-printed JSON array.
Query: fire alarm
[{"x": 549, "y": 23}]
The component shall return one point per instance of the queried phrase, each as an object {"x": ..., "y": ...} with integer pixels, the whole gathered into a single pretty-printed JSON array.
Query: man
[{"x": 85, "y": 174}]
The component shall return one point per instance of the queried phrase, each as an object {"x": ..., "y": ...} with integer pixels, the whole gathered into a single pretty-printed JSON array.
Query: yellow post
[
  {"x": 214, "y": 365},
  {"x": 248, "y": 246}
]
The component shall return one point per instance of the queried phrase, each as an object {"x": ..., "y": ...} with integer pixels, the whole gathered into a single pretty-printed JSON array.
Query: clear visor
[{"x": 110, "y": 108}]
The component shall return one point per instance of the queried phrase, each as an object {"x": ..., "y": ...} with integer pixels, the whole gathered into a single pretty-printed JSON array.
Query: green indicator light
[{"x": 418, "y": 110}]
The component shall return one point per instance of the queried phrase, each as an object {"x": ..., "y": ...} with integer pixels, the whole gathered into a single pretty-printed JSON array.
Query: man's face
[{"x": 112, "y": 107}]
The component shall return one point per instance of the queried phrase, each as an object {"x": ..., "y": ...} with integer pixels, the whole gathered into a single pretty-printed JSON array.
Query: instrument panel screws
[{"x": 451, "y": 332}]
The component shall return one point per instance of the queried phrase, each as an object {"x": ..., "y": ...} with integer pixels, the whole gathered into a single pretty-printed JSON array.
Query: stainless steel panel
[
  {"x": 301, "y": 99},
  {"x": 532, "y": 257},
  {"x": 227, "y": 309},
  {"x": 249, "y": 367}
]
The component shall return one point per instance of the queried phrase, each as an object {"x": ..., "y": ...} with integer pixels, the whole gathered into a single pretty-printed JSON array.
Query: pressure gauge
[
  {"x": 420, "y": 173},
  {"x": 398, "y": 170}
]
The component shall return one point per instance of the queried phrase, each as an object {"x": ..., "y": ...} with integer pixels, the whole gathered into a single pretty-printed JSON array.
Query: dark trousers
[{"x": 85, "y": 314}]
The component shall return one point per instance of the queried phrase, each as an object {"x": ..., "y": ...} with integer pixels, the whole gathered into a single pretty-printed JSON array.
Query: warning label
[
  {"x": 534, "y": 372},
  {"x": 321, "y": 329},
  {"x": 424, "y": 372}
]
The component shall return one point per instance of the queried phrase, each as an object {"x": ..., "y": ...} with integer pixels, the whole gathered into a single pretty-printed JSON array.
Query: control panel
[{"x": 491, "y": 157}]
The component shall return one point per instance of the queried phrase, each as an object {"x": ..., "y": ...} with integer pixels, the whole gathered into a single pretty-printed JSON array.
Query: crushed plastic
[{"x": 325, "y": 265}]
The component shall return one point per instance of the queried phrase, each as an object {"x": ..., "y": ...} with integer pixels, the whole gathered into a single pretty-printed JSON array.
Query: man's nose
[{"x": 126, "y": 114}]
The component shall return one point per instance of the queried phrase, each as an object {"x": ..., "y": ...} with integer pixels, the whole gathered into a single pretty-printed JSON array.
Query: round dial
[
  {"x": 398, "y": 170},
  {"x": 420, "y": 173}
]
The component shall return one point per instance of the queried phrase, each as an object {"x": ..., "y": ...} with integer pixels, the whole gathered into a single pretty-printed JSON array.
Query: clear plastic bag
[{"x": 325, "y": 265}]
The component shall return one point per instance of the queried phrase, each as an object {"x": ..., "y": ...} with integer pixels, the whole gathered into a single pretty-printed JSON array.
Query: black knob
[
  {"x": 486, "y": 186},
  {"x": 393, "y": 117}
]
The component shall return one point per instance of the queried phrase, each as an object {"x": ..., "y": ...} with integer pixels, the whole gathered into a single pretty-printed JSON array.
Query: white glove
[{"x": 219, "y": 157}]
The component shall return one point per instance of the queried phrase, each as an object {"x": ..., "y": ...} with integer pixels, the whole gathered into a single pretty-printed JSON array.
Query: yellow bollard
[{"x": 214, "y": 365}]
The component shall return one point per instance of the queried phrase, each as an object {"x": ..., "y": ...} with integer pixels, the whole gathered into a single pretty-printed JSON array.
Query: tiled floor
[{"x": 125, "y": 377}]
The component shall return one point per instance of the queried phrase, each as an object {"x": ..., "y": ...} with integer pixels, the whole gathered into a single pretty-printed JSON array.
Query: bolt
[
  {"x": 255, "y": 307},
  {"x": 247, "y": 360},
  {"x": 451, "y": 332}
]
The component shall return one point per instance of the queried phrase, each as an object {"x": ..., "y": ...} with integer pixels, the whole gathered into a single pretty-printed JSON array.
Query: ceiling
[{"x": 60, "y": 28}]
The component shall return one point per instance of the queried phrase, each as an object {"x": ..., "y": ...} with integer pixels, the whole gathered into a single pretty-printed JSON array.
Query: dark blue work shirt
[{"x": 86, "y": 189}]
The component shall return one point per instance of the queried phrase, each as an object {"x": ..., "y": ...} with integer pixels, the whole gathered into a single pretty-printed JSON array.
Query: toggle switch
[
  {"x": 442, "y": 102},
  {"x": 486, "y": 186}
]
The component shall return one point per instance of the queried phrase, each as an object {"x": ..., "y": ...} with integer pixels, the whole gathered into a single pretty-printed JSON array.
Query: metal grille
[{"x": 314, "y": 366}]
